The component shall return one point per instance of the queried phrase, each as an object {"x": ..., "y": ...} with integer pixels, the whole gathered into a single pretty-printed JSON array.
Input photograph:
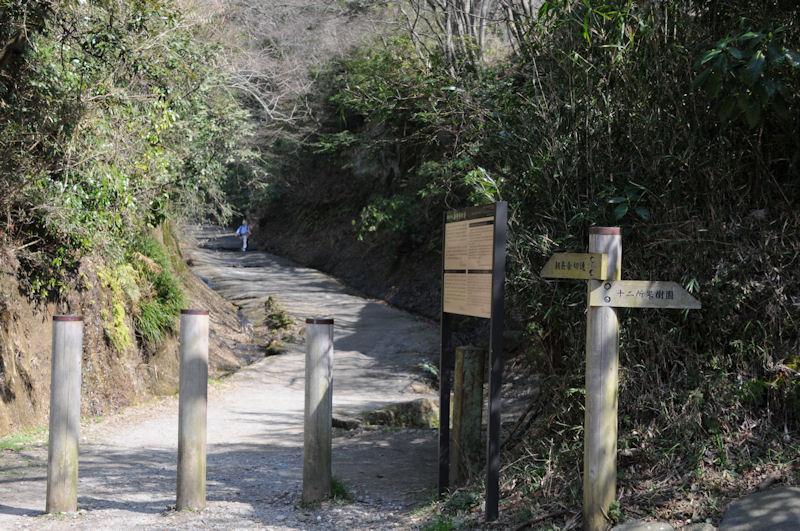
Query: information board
[
  {"x": 468, "y": 261},
  {"x": 468, "y": 293},
  {"x": 473, "y": 277}
]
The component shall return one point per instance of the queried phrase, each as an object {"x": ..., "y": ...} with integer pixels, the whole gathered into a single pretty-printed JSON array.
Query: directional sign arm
[
  {"x": 581, "y": 266},
  {"x": 640, "y": 294}
]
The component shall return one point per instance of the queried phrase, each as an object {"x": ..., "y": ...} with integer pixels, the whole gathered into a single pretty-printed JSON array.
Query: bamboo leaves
[{"x": 749, "y": 75}]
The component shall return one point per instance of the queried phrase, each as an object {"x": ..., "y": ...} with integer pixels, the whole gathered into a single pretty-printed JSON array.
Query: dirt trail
[{"x": 255, "y": 422}]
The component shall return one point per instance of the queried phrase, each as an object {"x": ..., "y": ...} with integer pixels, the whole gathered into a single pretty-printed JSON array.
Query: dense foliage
[
  {"x": 113, "y": 116},
  {"x": 676, "y": 121}
]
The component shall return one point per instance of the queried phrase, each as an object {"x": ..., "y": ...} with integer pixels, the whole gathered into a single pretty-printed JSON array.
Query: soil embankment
[{"x": 113, "y": 376}]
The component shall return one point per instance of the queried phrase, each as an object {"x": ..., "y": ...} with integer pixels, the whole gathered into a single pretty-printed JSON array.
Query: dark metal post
[
  {"x": 496, "y": 362},
  {"x": 445, "y": 368}
]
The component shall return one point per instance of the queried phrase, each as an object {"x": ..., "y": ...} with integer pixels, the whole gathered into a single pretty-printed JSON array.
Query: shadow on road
[{"x": 144, "y": 481}]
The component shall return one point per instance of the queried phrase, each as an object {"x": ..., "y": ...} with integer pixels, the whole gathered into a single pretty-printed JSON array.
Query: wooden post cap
[
  {"x": 194, "y": 312},
  {"x": 605, "y": 230},
  {"x": 319, "y": 321},
  {"x": 67, "y": 318}
]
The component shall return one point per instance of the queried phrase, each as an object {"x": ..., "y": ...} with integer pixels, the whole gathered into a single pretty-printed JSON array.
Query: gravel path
[{"x": 255, "y": 423}]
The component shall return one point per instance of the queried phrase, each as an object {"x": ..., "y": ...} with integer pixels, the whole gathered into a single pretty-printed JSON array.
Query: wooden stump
[{"x": 467, "y": 445}]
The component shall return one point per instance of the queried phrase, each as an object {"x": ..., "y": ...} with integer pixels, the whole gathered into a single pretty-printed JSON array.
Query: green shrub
[
  {"x": 160, "y": 307},
  {"x": 339, "y": 491},
  {"x": 114, "y": 115}
]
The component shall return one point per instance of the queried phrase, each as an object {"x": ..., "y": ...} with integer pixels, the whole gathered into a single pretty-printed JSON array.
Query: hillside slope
[{"x": 111, "y": 377}]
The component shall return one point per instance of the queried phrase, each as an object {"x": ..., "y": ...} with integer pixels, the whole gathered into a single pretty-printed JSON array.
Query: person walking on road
[{"x": 243, "y": 232}]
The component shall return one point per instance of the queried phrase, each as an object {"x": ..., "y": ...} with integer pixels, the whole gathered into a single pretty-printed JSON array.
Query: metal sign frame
[{"x": 499, "y": 213}]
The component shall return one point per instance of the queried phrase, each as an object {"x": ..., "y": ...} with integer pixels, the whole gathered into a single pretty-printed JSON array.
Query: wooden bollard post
[
  {"x": 318, "y": 410},
  {"x": 602, "y": 365},
  {"x": 466, "y": 449},
  {"x": 192, "y": 397},
  {"x": 65, "y": 414}
]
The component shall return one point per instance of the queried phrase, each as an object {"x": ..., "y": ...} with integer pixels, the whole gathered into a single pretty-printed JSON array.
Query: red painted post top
[
  {"x": 67, "y": 318},
  {"x": 194, "y": 312},
  {"x": 319, "y": 321},
  {"x": 605, "y": 230}
]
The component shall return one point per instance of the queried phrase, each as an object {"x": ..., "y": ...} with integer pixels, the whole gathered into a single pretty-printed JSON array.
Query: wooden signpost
[
  {"x": 602, "y": 268},
  {"x": 473, "y": 277}
]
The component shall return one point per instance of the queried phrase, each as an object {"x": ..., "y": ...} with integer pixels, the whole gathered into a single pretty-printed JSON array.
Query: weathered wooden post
[
  {"x": 318, "y": 410},
  {"x": 467, "y": 413},
  {"x": 602, "y": 363},
  {"x": 65, "y": 414},
  {"x": 192, "y": 398},
  {"x": 601, "y": 267}
]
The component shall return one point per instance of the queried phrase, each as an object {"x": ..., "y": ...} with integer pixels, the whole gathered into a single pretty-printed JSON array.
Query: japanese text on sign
[
  {"x": 469, "y": 244},
  {"x": 568, "y": 266},
  {"x": 641, "y": 294},
  {"x": 468, "y": 294},
  {"x": 648, "y": 294},
  {"x": 576, "y": 265},
  {"x": 468, "y": 261}
]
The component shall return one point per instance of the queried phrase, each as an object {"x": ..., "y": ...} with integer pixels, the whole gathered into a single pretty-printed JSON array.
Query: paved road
[
  {"x": 375, "y": 344},
  {"x": 128, "y": 462}
]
